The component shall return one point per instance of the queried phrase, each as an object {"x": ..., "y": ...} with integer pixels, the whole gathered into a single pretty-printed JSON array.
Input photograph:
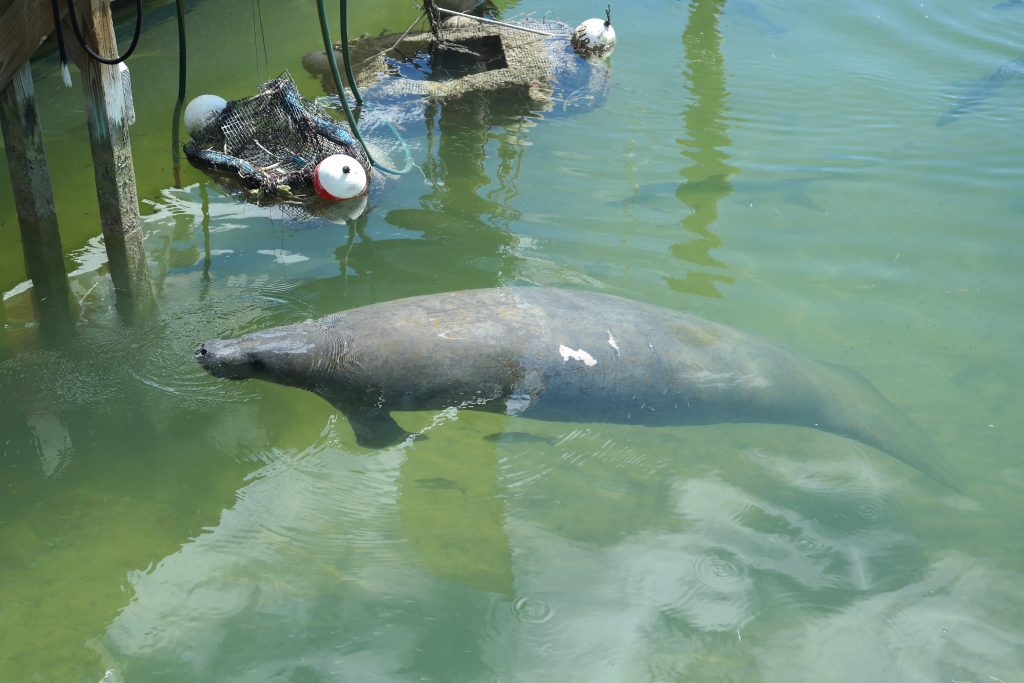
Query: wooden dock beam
[
  {"x": 112, "y": 159},
  {"x": 33, "y": 199}
]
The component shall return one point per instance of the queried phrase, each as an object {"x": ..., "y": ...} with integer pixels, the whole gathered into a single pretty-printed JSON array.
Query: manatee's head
[
  {"x": 227, "y": 358},
  {"x": 281, "y": 355}
]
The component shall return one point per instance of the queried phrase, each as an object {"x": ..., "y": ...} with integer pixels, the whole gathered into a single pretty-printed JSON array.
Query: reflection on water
[
  {"x": 78, "y": 514},
  {"x": 707, "y": 178},
  {"x": 313, "y": 532},
  {"x": 51, "y": 295},
  {"x": 464, "y": 219},
  {"x": 452, "y": 512},
  {"x": 369, "y": 565}
]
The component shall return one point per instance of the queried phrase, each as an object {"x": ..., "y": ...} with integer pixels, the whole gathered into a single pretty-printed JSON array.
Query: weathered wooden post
[
  {"x": 33, "y": 199},
  {"x": 112, "y": 158}
]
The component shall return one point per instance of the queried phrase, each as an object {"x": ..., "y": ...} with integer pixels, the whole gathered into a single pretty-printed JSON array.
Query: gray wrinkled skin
[{"x": 558, "y": 354}]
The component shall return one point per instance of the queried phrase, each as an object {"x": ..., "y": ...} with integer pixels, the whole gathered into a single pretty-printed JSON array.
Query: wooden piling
[
  {"x": 112, "y": 158},
  {"x": 33, "y": 199}
]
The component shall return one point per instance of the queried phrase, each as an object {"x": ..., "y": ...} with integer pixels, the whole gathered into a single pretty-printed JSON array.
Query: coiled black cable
[{"x": 81, "y": 40}]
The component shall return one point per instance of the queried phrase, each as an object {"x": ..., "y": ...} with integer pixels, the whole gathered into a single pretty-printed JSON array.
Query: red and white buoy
[{"x": 339, "y": 177}]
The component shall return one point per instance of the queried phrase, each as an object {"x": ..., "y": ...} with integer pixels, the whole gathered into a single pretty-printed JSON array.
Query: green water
[{"x": 774, "y": 166}]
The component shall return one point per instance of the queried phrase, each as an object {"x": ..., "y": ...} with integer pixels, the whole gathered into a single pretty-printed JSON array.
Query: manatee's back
[
  {"x": 623, "y": 361},
  {"x": 560, "y": 354},
  {"x": 431, "y": 351}
]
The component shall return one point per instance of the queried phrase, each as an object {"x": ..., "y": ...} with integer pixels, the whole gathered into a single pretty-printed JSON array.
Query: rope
[
  {"x": 329, "y": 49},
  {"x": 257, "y": 12},
  {"x": 81, "y": 40}
]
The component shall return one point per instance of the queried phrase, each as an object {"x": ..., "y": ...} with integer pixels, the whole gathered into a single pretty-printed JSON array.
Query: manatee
[{"x": 560, "y": 354}]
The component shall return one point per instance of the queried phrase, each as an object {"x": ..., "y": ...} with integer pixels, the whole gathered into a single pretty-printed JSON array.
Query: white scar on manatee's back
[{"x": 578, "y": 354}]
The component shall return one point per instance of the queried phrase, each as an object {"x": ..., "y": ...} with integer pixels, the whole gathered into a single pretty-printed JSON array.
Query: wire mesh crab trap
[{"x": 271, "y": 143}]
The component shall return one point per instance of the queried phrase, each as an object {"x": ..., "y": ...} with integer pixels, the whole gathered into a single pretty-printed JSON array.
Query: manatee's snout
[{"x": 224, "y": 359}]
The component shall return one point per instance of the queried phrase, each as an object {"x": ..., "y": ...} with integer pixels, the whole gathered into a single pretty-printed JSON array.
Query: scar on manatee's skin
[
  {"x": 444, "y": 335},
  {"x": 612, "y": 343},
  {"x": 578, "y": 354}
]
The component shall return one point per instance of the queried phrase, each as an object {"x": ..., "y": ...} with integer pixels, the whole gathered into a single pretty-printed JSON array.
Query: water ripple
[
  {"x": 858, "y": 509},
  {"x": 532, "y": 609},
  {"x": 720, "y": 572}
]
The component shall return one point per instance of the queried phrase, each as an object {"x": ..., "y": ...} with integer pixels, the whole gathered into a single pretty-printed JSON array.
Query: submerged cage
[
  {"x": 271, "y": 143},
  {"x": 530, "y": 58}
]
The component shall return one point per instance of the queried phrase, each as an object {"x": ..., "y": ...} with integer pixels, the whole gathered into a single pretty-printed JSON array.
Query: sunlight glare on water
[{"x": 842, "y": 179}]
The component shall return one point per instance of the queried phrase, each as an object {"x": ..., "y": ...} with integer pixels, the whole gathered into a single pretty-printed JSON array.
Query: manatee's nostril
[{"x": 202, "y": 351}]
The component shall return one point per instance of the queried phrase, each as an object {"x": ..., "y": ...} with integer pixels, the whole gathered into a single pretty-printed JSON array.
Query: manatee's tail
[{"x": 861, "y": 412}]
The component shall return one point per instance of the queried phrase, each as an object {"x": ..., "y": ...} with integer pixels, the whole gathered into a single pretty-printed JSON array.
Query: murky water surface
[{"x": 841, "y": 178}]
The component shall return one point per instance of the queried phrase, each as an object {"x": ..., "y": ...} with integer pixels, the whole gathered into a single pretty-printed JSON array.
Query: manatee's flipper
[{"x": 375, "y": 428}]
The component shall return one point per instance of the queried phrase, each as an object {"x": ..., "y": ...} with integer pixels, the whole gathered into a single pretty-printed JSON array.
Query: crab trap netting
[
  {"x": 467, "y": 58},
  {"x": 271, "y": 143}
]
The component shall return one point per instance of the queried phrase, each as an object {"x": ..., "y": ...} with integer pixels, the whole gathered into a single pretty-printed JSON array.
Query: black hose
[
  {"x": 176, "y": 142},
  {"x": 179, "y": 6},
  {"x": 92, "y": 53},
  {"x": 180, "y": 12},
  {"x": 329, "y": 49},
  {"x": 345, "y": 53}
]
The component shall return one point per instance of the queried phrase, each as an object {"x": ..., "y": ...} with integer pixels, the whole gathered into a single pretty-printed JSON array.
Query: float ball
[
  {"x": 339, "y": 177},
  {"x": 202, "y": 111},
  {"x": 594, "y": 37}
]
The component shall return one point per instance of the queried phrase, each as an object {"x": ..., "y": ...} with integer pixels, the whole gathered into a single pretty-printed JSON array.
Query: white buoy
[
  {"x": 339, "y": 177},
  {"x": 594, "y": 37},
  {"x": 201, "y": 112}
]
